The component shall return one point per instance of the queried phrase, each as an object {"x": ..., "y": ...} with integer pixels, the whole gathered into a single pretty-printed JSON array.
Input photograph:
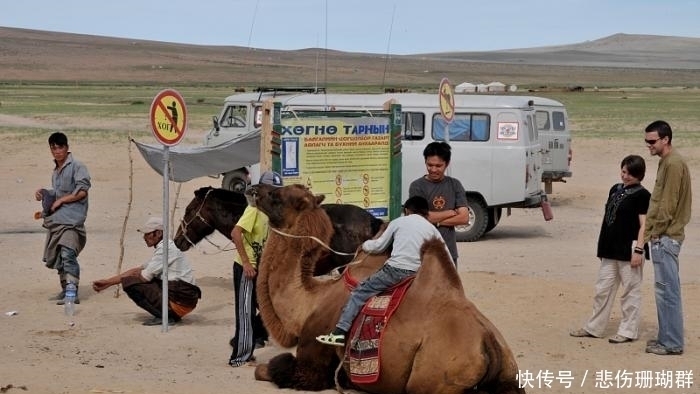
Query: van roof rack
[{"x": 275, "y": 90}]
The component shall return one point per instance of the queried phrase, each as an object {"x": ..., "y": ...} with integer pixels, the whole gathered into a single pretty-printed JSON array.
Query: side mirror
[{"x": 215, "y": 120}]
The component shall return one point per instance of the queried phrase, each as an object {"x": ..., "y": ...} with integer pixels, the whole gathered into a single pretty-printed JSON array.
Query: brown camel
[{"x": 436, "y": 342}]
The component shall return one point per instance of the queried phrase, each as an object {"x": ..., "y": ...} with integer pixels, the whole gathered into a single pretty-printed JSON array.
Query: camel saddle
[{"x": 365, "y": 336}]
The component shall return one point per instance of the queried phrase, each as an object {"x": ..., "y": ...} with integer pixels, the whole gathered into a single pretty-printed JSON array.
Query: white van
[
  {"x": 496, "y": 152},
  {"x": 241, "y": 114}
]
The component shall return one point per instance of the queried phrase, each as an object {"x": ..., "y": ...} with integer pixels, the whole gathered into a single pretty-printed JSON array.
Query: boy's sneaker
[{"x": 335, "y": 338}]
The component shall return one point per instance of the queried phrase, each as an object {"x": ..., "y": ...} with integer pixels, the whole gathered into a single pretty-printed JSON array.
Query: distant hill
[
  {"x": 619, "y": 50},
  {"x": 618, "y": 60}
]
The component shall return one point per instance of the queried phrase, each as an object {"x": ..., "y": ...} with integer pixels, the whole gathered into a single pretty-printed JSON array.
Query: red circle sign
[
  {"x": 168, "y": 117},
  {"x": 447, "y": 100}
]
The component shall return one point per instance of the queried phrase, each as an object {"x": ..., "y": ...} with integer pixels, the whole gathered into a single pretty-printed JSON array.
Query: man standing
[
  {"x": 249, "y": 235},
  {"x": 65, "y": 210},
  {"x": 669, "y": 212},
  {"x": 144, "y": 283},
  {"x": 445, "y": 195}
]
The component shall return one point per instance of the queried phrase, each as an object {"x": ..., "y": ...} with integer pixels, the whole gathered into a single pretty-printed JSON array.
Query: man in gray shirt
[
  {"x": 65, "y": 208},
  {"x": 445, "y": 195}
]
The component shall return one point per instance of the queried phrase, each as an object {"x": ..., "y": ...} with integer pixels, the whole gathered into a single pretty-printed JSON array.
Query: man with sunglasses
[{"x": 669, "y": 212}]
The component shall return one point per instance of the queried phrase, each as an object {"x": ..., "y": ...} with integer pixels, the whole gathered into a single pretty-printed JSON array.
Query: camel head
[{"x": 281, "y": 204}]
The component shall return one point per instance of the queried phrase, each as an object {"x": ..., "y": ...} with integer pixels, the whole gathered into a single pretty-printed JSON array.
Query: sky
[{"x": 374, "y": 26}]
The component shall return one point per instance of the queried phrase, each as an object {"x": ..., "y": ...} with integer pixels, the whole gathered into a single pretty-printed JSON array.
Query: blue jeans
[
  {"x": 381, "y": 280},
  {"x": 667, "y": 284}
]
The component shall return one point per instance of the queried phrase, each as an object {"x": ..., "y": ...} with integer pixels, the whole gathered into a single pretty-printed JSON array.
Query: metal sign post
[{"x": 168, "y": 117}]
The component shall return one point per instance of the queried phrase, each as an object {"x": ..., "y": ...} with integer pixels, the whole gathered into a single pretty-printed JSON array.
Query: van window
[
  {"x": 542, "y": 120},
  {"x": 413, "y": 125},
  {"x": 464, "y": 127},
  {"x": 531, "y": 128},
  {"x": 235, "y": 116},
  {"x": 558, "y": 120}
]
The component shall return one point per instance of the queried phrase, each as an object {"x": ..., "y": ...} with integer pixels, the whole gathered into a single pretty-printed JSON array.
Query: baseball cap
[
  {"x": 271, "y": 178},
  {"x": 152, "y": 224}
]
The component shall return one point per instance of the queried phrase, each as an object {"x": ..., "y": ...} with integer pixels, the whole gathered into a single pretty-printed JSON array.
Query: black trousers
[
  {"x": 249, "y": 325},
  {"x": 149, "y": 295}
]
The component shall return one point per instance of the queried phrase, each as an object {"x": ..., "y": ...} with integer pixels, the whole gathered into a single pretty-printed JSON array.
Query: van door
[
  {"x": 555, "y": 138},
  {"x": 534, "y": 159}
]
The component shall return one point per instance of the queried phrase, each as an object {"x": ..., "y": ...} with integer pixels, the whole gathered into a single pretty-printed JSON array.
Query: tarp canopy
[{"x": 187, "y": 163}]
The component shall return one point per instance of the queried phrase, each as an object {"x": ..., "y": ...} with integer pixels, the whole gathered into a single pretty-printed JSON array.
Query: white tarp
[{"x": 187, "y": 163}]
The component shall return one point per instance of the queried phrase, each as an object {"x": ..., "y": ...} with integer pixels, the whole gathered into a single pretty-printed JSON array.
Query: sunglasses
[{"x": 652, "y": 142}]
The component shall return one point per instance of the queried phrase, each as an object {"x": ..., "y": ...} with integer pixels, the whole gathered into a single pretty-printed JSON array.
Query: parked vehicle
[
  {"x": 496, "y": 151},
  {"x": 241, "y": 114}
]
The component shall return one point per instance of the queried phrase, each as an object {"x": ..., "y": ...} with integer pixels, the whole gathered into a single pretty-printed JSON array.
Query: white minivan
[{"x": 496, "y": 152}]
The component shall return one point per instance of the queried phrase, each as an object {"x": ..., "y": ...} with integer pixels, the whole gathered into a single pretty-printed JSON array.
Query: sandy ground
[{"x": 533, "y": 279}]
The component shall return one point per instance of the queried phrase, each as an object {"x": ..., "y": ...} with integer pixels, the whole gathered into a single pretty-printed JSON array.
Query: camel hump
[{"x": 437, "y": 262}]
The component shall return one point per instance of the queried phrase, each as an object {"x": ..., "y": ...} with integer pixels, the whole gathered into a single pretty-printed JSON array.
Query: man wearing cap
[
  {"x": 249, "y": 235},
  {"x": 144, "y": 283}
]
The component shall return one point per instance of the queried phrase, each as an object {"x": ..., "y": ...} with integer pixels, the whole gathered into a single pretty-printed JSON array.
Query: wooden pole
[
  {"x": 128, "y": 212},
  {"x": 266, "y": 137}
]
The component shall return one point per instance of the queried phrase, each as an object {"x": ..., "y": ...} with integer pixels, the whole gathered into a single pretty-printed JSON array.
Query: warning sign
[
  {"x": 168, "y": 117},
  {"x": 447, "y": 100}
]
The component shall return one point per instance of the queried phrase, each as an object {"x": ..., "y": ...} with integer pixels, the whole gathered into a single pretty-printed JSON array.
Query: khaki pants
[{"x": 614, "y": 274}]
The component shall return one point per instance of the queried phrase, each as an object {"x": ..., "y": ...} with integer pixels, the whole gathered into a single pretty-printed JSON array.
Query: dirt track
[{"x": 533, "y": 279}]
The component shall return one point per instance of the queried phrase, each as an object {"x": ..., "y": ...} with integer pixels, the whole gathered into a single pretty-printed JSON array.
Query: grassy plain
[{"x": 608, "y": 114}]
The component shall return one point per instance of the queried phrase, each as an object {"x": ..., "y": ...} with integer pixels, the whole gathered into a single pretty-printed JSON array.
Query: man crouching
[{"x": 144, "y": 284}]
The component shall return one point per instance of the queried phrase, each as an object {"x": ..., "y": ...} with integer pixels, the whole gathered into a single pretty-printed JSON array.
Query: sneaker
[
  {"x": 619, "y": 339},
  {"x": 58, "y": 297},
  {"x": 652, "y": 342},
  {"x": 662, "y": 351},
  {"x": 581, "y": 333},
  {"x": 61, "y": 302},
  {"x": 335, "y": 338}
]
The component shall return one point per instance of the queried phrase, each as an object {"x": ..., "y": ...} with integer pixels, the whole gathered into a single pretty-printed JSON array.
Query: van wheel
[
  {"x": 494, "y": 218},
  {"x": 235, "y": 181},
  {"x": 478, "y": 221}
]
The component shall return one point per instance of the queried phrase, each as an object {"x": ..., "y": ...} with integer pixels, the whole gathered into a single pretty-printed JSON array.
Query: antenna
[
  {"x": 252, "y": 23},
  {"x": 325, "y": 62},
  {"x": 388, "y": 45}
]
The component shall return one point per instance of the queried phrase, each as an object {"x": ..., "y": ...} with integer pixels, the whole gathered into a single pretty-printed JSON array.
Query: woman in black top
[{"x": 621, "y": 252}]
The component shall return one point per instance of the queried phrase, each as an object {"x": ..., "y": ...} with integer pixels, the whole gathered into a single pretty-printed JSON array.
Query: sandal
[
  {"x": 581, "y": 333},
  {"x": 619, "y": 339},
  {"x": 332, "y": 339}
]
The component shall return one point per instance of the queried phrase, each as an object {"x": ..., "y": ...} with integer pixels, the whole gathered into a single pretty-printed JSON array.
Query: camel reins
[
  {"x": 336, "y": 269},
  {"x": 280, "y": 232}
]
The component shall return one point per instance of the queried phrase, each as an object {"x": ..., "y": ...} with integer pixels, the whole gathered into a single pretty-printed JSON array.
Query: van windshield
[{"x": 234, "y": 116}]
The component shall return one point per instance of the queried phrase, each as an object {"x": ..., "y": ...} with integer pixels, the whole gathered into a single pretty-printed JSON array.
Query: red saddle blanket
[{"x": 365, "y": 337}]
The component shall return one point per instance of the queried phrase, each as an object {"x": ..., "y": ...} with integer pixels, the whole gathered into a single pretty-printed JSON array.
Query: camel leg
[{"x": 313, "y": 368}]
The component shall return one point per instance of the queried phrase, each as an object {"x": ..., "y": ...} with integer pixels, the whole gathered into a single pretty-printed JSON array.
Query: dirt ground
[{"x": 533, "y": 279}]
